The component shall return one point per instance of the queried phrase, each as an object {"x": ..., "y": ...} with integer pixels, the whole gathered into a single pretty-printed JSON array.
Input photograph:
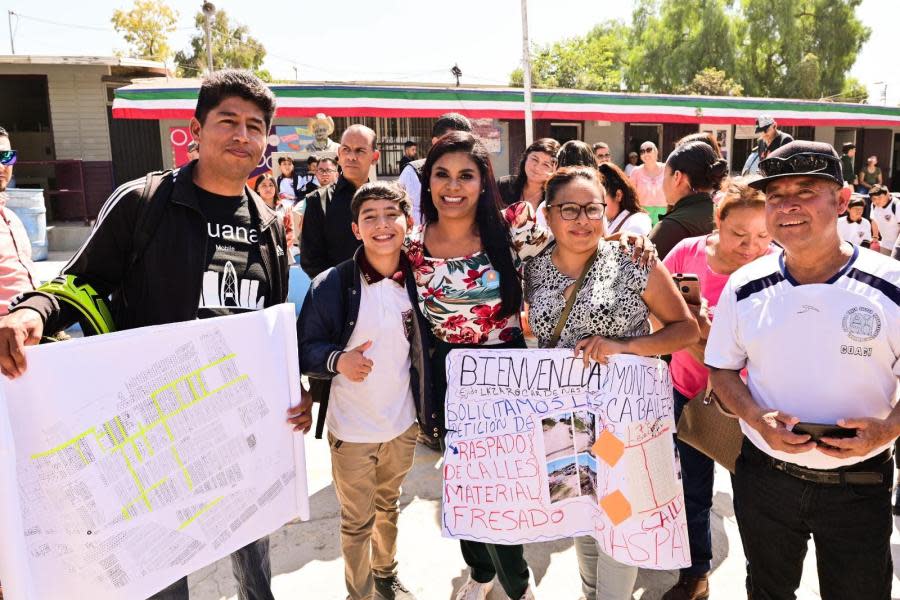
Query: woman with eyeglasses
[
  {"x": 609, "y": 316},
  {"x": 537, "y": 165},
  {"x": 692, "y": 174},
  {"x": 648, "y": 181}
]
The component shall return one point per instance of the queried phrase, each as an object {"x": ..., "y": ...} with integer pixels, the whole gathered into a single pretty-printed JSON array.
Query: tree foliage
[
  {"x": 675, "y": 41},
  {"x": 591, "y": 62},
  {"x": 146, "y": 28},
  {"x": 712, "y": 82},
  {"x": 768, "y": 48},
  {"x": 232, "y": 47}
]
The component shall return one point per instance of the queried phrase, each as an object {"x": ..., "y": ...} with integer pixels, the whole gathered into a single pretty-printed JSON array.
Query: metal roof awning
[{"x": 175, "y": 99}]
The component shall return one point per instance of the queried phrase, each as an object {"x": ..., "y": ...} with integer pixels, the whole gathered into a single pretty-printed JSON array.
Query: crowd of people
[{"x": 792, "y": 325}]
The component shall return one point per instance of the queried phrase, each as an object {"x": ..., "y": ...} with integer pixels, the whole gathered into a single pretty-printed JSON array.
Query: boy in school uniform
[
  {"x": 853, "y": 227},
  {"x": 360, "y": 329}
]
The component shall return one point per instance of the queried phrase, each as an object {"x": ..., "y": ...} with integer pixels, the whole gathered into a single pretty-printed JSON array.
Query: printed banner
[{"x": 541, "y": 448}]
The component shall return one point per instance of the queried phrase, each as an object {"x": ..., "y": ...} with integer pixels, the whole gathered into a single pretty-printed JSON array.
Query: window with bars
[{"x": 391, "y": 134}]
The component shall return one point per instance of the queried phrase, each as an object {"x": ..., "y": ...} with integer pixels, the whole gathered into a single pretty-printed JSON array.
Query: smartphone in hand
[{"x": 689, "y": 286}]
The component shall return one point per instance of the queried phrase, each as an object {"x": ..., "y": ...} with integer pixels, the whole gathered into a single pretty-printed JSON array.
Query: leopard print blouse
[{"x": 609, "y": 303}]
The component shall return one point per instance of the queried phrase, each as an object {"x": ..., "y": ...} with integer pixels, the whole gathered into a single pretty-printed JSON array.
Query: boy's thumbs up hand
[{"x": 353, "y": 363}]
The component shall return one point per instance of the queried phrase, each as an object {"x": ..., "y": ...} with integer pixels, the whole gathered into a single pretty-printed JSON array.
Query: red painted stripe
[{"x": 181, "y": 113}]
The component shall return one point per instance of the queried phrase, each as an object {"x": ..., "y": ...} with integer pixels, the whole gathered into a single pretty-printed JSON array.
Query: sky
[{"x": 392, "y": 40}]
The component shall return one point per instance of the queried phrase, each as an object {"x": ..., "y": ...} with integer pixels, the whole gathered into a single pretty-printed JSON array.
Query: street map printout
[
  {"x": 540, "y": 447},
  {"x": 131, "y": 459}
]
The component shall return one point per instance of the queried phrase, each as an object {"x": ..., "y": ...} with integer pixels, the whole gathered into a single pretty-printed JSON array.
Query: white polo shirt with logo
[
  {"x": 819, "y": 352},
  {"x": 855, "y": 232}
]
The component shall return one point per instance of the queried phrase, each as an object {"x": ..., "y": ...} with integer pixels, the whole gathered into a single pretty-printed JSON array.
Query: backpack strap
[{"x": 157, "y": 189}]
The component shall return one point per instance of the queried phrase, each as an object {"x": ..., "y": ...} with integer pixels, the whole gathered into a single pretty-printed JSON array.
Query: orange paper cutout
[
  {"x": 609, "y": 448},
  {"x": 616, "y": 506}
]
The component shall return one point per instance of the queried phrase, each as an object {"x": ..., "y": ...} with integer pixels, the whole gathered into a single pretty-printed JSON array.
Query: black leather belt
[{"x": 840, "y": 476}]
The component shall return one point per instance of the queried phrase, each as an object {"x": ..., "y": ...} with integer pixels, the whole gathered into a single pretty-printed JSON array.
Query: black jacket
[
  {"x": 324, "y": 327},
  {"x": 691, "y": 216},
  {"x": 327, "y": 239},
  {"x": 165, "y": 283}
]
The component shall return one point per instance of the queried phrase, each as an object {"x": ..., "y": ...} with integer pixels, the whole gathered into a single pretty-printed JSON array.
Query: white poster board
[
  {"x": 131, "y": 459},
  {"x": 541, "y": 448}
]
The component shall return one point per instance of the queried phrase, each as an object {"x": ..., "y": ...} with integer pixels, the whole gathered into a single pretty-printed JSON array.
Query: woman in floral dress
[{"x": 466, "y": 258}]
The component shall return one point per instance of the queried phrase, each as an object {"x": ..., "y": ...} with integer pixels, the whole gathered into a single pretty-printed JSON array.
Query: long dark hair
[
  {"x": 545, "y": 145},
  {"x": 267, "y": 176},
  {"x": 615, "y": 180},
  {"x": 492, "y": 227}
]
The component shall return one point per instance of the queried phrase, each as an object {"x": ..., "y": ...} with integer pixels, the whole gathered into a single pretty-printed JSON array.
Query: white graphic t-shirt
[{"x": 235, "y": 280}]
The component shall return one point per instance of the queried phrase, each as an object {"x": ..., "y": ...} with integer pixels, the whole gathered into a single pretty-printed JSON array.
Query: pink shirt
[
  {"x": 16, "y": 269},
  {"x": 689, "y": 256},
  {"x": 649, "y": 188}
]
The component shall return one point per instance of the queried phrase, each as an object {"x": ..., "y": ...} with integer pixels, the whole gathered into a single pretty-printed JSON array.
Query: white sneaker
[
  {"x": 473, "y": 590},
  {"x": 528, "y": 595}
]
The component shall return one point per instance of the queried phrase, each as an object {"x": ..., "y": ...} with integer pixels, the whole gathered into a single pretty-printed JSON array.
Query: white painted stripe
[{"x": 117, "y": 195}]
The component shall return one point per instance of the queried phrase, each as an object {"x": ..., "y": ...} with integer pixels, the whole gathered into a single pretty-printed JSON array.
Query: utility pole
[
  {"x": 296, "y": 74},
  {"x": 526, "y": 71},
  {"x": 12, "y": 41},
  {"x": 209, "y": 10}
]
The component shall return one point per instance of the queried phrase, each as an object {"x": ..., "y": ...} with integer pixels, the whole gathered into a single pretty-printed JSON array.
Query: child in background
[{"x": 853, "y": 227}]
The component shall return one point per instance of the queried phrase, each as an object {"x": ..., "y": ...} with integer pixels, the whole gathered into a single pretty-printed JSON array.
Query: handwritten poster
[{"x": 541, "y": 448}]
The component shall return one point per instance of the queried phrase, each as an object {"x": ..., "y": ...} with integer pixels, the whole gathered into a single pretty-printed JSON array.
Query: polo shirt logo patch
[{"x": 861, "y": 324}]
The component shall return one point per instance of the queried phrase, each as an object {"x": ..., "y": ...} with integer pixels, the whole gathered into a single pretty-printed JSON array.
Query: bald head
[
  {"x": 355, "y": 131},
  {"x": 357, "y": 153}
]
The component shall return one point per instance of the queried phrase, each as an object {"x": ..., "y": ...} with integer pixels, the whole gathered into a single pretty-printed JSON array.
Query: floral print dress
[{"x": 460, "y": 296}]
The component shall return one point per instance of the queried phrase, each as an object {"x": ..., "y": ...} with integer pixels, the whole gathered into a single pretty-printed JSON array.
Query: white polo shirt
[
  {"x": 380, "y": 407},
  {"x": 887, "y": 220},
  {"x": 855, "y": 232},
  {"x": 819, "y": 352}
]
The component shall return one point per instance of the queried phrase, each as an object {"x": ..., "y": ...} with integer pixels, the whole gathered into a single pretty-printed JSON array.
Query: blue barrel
[{"x": 28, "y": 204}]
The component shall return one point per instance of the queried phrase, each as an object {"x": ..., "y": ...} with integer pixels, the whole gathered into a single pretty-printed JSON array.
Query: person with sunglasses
[
  {"x": 609, "y": 316},
  {"x": 770, "y": 138},
  {"x": 648, "y": 181},
  {"x": 16, "y": 269},
  {"x": 817, "y": 328}
]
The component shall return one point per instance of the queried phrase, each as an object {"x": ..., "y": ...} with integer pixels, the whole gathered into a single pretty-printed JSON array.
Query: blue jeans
[
  {"x": 697, "y": 471},
  {"x": 251, "y": 569},
  {"x": 850, "y": 526}
]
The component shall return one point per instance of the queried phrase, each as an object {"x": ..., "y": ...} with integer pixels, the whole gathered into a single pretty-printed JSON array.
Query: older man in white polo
[{"x": 817, "y": 327}]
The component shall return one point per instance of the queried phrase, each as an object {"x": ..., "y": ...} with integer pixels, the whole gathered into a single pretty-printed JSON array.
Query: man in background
[{"x": 16, "y": 269}]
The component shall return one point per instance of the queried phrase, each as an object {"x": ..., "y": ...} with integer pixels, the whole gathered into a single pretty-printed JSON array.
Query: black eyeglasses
[
  {"x": 646, "y": 150},
  {"x": 570, "y": 211},
  {"x": 804, "y": 163},
  {"x": 7, "y": 157}
]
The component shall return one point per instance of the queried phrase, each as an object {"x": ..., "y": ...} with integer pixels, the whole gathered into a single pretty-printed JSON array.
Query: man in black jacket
[
  {"x": 327, "y": 238},
  {"x": 202, "y": 245}
]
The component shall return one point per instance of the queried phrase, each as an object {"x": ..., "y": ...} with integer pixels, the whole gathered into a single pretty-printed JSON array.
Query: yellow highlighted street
[
  {"x": 199, "y": 512},
  {"x": 194, "y": 384}
]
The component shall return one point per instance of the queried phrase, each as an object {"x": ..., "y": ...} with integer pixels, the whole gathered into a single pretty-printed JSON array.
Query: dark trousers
[
  {"x": 849, "y": 524},
  {"x": 251, "y": 569},
  {"x": 485, "y": 561},
  {"x": 506, "y": 562},
  {"x": 697, "y": 471}
]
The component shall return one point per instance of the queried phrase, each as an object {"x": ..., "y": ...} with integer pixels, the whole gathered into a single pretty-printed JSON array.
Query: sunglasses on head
[
  {"x": 804, "y": 163},
  {"x": 7, "y": 157}
]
